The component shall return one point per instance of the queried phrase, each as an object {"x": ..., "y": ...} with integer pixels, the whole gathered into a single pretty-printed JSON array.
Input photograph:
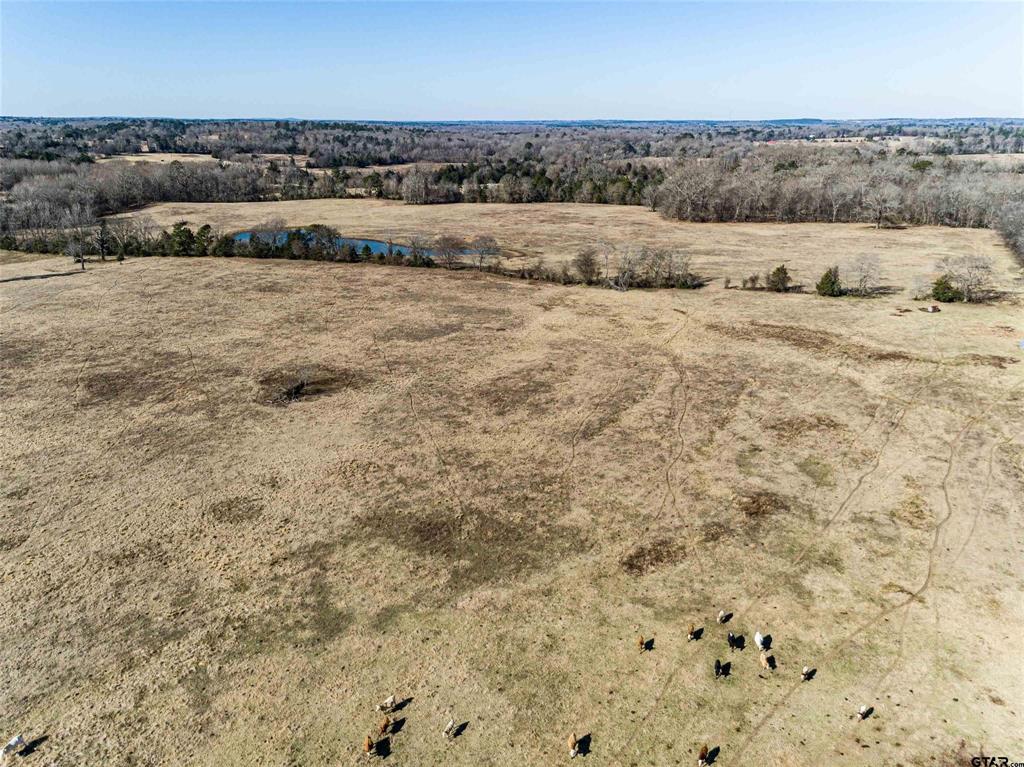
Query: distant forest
[{"x": 59, "y": 176}]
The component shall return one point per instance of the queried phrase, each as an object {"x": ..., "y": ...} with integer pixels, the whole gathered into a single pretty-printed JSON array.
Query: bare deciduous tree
[
  {"x": 971, "y": 275},
  {"x": 449, "y": 248},
  {"x": 486, "y": 248},
  {"x": 587, "y": 265},
  {"x": 862, "y": 275},
  {"x": 883, "y": 198}
]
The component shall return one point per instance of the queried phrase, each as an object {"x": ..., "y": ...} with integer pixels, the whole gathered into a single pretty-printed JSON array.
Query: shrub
[
  {"x": 587, "y": 266},
  {"x": 687, "y": 280},
  {"x": 971, "y": 276},
  {"x": 864, "y": 271},
  {"x": 945, "y": 291},
  {"x": 779, "y": 279},
  {"x": 829, "y": 284},
  {"x": 223, "y": 247},
  {"x": 565, "y": 276}
]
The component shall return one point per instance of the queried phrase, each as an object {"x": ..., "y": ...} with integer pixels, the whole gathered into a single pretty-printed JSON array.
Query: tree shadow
[
  {"x": 993, "y": 296},
  {"x": 41, "y": 276},
  {"x": 885, "y": 290},
  {"x": 876, "y": 291}
]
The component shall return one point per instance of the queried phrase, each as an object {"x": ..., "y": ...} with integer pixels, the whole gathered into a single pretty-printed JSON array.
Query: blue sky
[{"x": 533, "y": 60}]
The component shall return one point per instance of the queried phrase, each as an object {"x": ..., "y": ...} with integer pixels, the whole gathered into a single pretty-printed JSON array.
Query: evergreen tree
[
  {"x": 182, "y": 240},
  {"x": 203, "y": 240},
  {"x": 779, "y": 279},
  {"x": 945, "y": 291},
  {"x": 829, "y": 284}
]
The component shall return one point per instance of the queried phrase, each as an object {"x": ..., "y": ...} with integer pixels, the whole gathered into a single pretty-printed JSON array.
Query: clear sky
[{"x": 530, "y": 60}]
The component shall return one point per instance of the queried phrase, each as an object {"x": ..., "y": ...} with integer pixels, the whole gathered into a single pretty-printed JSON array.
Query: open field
[
  {"x": 1008, "y": 160},
  {"x": 490, "y": 490},
  {"x": 9, "y": 257},
  {"x": 558, "y": 232},
  {"x": 158, "y": 157},
  {"x": 167, "y": 157},
  {"x": 398, "y": 167}
]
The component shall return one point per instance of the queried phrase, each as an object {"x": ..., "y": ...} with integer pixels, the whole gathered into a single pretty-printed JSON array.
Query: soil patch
[{"x": 284, "y": 386}]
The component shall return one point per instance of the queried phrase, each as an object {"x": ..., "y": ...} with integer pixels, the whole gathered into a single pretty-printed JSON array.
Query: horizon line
[{"x": 542, "y": 120}]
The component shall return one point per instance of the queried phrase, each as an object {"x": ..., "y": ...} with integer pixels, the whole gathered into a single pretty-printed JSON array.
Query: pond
[{"x": 377, "y": 247}]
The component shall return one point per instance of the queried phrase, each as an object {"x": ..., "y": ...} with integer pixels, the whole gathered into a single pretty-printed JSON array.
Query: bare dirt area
[
  {"x": 556, "y": 232},
  {"x": 244, "y": 501}
]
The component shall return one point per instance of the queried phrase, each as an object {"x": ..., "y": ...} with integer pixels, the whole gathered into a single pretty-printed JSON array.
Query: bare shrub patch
[
  {"x": 762, "y": 503},
  {"x": 648, "y": 556},
  {"x": 286, "y": 385}
]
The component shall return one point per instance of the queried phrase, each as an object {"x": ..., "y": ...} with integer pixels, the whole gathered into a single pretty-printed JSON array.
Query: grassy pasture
[
  {"x": 558, "y": 232},
  {"x": 489, "y": 488}
]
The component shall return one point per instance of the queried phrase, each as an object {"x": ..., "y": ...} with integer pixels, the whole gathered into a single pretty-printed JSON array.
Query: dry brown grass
[
  {"x": 558, "y": 232},
  {"x": 1008, "y": 160},
  {"x": 163, "y": 158},
  {"x": 8, "y": 257},
  {"x": 498, "y": 487},
  {"x": 159, "y": 158}
]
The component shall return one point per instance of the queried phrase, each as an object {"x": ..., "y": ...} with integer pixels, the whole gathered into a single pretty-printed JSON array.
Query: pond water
[{"x": 377, "y": 247}]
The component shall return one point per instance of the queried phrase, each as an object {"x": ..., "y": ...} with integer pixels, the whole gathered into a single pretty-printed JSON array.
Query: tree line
[
  {"x": 714, "y": 173},
  {"x": 331, "y": 144},
  {"x": 806, "y": 184}
]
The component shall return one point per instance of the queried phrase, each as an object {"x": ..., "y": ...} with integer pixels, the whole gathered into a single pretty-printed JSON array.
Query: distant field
[
  {"x": 487, "y": 491},
  {"x": 398, "y": 167},
  {"x": 894, "y": 141},
  {"x": 168, "y": 157},
  {"x": 19, "y": 257},
  {"x": 158, "y": 157},
  {"x": 558, "y": 231},
  {"x": 1008, "y": 160}
]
